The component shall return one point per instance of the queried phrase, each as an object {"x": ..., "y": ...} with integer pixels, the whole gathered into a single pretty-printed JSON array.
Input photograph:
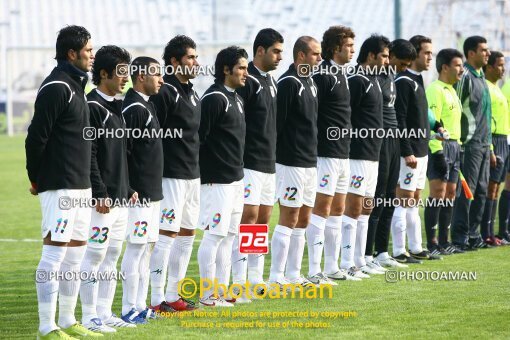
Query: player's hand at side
[
  {"x": 494, "y": 160},
  {"x": 103, "y": 206},
  {"x": 134, "y": 197},
  {"x": 33, "y": 191},
  {"x": 411, "y": 161}
]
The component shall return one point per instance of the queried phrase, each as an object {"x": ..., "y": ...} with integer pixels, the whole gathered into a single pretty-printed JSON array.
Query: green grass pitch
[{"x": 405, "y": 309}]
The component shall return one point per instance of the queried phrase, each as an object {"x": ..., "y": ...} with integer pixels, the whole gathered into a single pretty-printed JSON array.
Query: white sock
[
  {"x": 398, "y": 230},
  {"x": 332, "y": 240},
  {"x": 296, "y": 250},
  {"x": 106, "y": 291},
  {"x": 280, "y": 243},
  {"x": 414, "y": 230},
  {"x": 315, "y": 242},
  {"x": 349, "y": 226},
  {"x": 68, "y": 289},
  {"x": 47, "y": 290},
  {"x": 224, "y": 260},
  {"x": 130, "y": 267},
  {"x": 256, "y": 268},
  {"x": 158, "y": 268},
  {"x": 143, "y": 286},
  {"x": 361, "y": 241},
  {"x": 207, "y": 253},
  {"x": 178, "y": 262},
  {"x": 239, "y": 263},
  {"x": 89, "y": 288}
]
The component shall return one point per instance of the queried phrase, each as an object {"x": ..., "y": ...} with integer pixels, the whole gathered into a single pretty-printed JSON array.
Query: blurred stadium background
[{"x": 28, "y": 30}]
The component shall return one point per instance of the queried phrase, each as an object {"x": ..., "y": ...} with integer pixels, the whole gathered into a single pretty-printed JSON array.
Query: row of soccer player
[{"x": 247, "y": 140}]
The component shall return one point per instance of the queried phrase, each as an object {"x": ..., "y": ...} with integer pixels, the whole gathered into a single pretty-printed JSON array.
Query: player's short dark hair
[
  {"x": 402, "y": 49},
  {"x": 228, "y": 57},
  {"x": 333, "y": 38},
  {"x": 107, "y": 58},
  {"x": 445, "y": 57},
  {"x": 177, "y": 48},
  {"x": 140, "y": 64},
  {"x": 418, "y": 40},
  {"x": 71, "y": 38},
  {"x": 495, "y": 55},
  {"x": 302, "y": 45},
  {"x": 266, "y": 38},
  {"x": 471, "y": 43},
  {"x": 374, "y": 44}
]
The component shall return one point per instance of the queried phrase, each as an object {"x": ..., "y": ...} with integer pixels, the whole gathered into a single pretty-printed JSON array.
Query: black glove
[{"x": 439, "y": 163}]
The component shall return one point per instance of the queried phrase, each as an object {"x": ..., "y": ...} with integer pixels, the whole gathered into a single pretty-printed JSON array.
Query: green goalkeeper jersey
[{"x": 445, "y": 104}]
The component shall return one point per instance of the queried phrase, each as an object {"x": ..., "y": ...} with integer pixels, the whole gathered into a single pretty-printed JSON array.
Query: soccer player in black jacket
[
  {"x": 324, "y": 229},
  {"x": 296, "y": 161},
  {"x": 145, "y": 164},
  {"x": 110, "y": 181},
  {"x": 402, "y": 53},
  {"x": 58, "y": 166},
  {"x": 412, "y": 115},
  {"x": 222, "y": 132},
  {"x": 259, "y": 96},
  {"x": 178, "y": 107},
  {"x": 367, "y": 113}
]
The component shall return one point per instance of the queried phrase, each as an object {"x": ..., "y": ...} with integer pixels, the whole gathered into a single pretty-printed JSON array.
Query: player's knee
[
  {"x": 186, "y": 232},
  {"x": 168, "y": 233}
]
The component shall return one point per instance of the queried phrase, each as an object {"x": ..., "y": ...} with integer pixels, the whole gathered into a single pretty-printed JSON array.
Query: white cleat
[
  {"x": 212, "y": 301},
  {"x": 114, "y": 321},
  {"x": 243, "y": 299},
  {"x": 390, "y": 262},
  {"x": 370, "y": 271},
  {"x": 321, "y": 279},
  {"x": 303, "y": 281},
  {"x": 338, "y": 275},
  {"x": 374, "y": 265},
  {"x": 356, "y": 272},
  {"x": 96, "y": 325}
]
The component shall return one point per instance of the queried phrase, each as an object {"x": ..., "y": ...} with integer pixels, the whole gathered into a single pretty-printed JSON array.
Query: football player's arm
[
  {"x": 212, "y": 107},
  {"x": 99, "y": 189},
  {"x": 51, "y": 101},
  {"x": 435, "y": 101},
  {"x": 404, "y": 91},
  {"x": 287, "y": 90}
]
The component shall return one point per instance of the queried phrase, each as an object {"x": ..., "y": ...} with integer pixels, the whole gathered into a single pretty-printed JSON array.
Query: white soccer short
[
  {"x": 363, "y": 177},
  {"x": 332, "y": 175},
  {"x": 106, "y": 227},
  {"x": 181, "y": 204},
  {"x": 65, "y": 224},
  {"x": 221, "y": 207},
  {"x": 412, "y": 179},
  {"x": 259, "y": 187},
  {"x": 143, "y": 223},
  {"x": 295, "y": 186}
]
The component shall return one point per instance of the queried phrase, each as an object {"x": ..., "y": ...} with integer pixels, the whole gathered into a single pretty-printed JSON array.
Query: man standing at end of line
[
  {"x": 110, "y": 185},
  {"x": 402, "y": 54},
  {"x": 412, "y": 114},
  {"x": 444, "y": 157},
  {"x": 55, "y": 138},
  {"x": 222, "y": 132},
  {"x": 178, "y": 108},
  {"x": 476, "y": 139},
  {"x": 334, "y": 116},
  {"x": 367, "y": 116},
  {"x": 494, "y": 71},
  {"x": 145, "y": 164},
  {"x": 296, "y": 161},
  {"x": 259, "y": 96}
]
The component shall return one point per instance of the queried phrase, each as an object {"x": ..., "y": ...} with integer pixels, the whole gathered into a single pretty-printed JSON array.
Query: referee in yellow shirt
[
  {"x": 444, "y": 153},
  {"x": 494, "y": 71}
]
